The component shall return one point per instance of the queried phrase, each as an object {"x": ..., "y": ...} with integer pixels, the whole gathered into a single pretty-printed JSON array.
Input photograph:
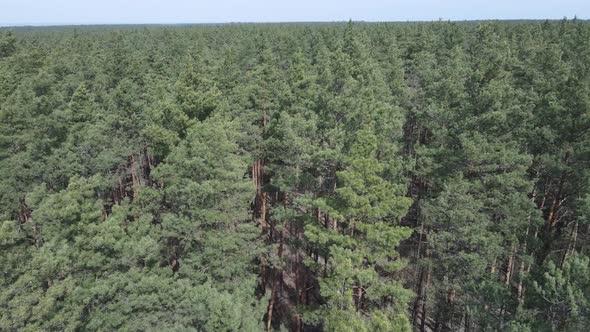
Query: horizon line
[{"x": 64, "y": 24}]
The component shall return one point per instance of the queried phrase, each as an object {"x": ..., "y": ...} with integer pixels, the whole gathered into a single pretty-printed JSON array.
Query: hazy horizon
[{"x": 113, "y": 12}]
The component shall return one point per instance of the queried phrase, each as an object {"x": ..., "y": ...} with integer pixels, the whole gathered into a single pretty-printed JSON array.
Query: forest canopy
[{"x": 301, "y": 177}]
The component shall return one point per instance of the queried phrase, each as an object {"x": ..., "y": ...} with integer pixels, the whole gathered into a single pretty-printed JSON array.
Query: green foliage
[
  {"x": 562, "y": 296},
  {"x": 337, "y": 177},
  {"x": 7, "y": 44}
]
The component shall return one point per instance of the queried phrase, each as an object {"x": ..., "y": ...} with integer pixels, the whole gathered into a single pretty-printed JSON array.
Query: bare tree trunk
[
  {"x": 520, "y": 289},
  {"x": 134, "y": 179},
  {"x": 419, "y": 310},
  {"x": 147, "y": 166},
  {"x": 509, "y": 266},
  {"x": 298, "y": 323},
  {"x": 121, "y": 190},
  {"x": 424, "y": 316},
  {"x": 552, "y": 217},
  {"x": 271, "y": 304},
  {"x": 278, "y": 275},
  {"x": 520, "y": 286},
  {"x": 571, "y": 245},
  {"x": 263, "y": 212},
  {"x": 420, "y": 302},
  {"x": 549, "y": 231},
  {"x": 357, "y": 293}
]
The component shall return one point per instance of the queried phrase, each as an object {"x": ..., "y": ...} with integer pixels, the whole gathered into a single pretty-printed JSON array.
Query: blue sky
[{"x": 39, "y": 12}]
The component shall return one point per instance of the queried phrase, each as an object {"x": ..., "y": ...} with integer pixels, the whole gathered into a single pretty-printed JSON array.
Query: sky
[{"x": 48, "y": 12}]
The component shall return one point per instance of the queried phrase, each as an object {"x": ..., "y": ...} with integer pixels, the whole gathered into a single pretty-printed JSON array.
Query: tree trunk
[
  {"x": 520, "y": 286},
  {"x": 263, "y": 212},
  {"x": 493, "y": 267},
  {"x": 298, "y": 323},
  {"x": 571, "y": 245},
  {"x": 467, "y": 325},
  {"x": 134, "y": 179},
  {"x": 509, "y": 266},
  {"x": 271, "y": 304},
  {"x": 278, "y": 276},
  {"x": 419, "y": 311},
  {"x": 357, "y": 293}
]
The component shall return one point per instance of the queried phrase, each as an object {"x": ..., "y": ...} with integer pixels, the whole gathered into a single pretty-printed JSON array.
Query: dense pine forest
[{"x": 296, "y": 177}]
